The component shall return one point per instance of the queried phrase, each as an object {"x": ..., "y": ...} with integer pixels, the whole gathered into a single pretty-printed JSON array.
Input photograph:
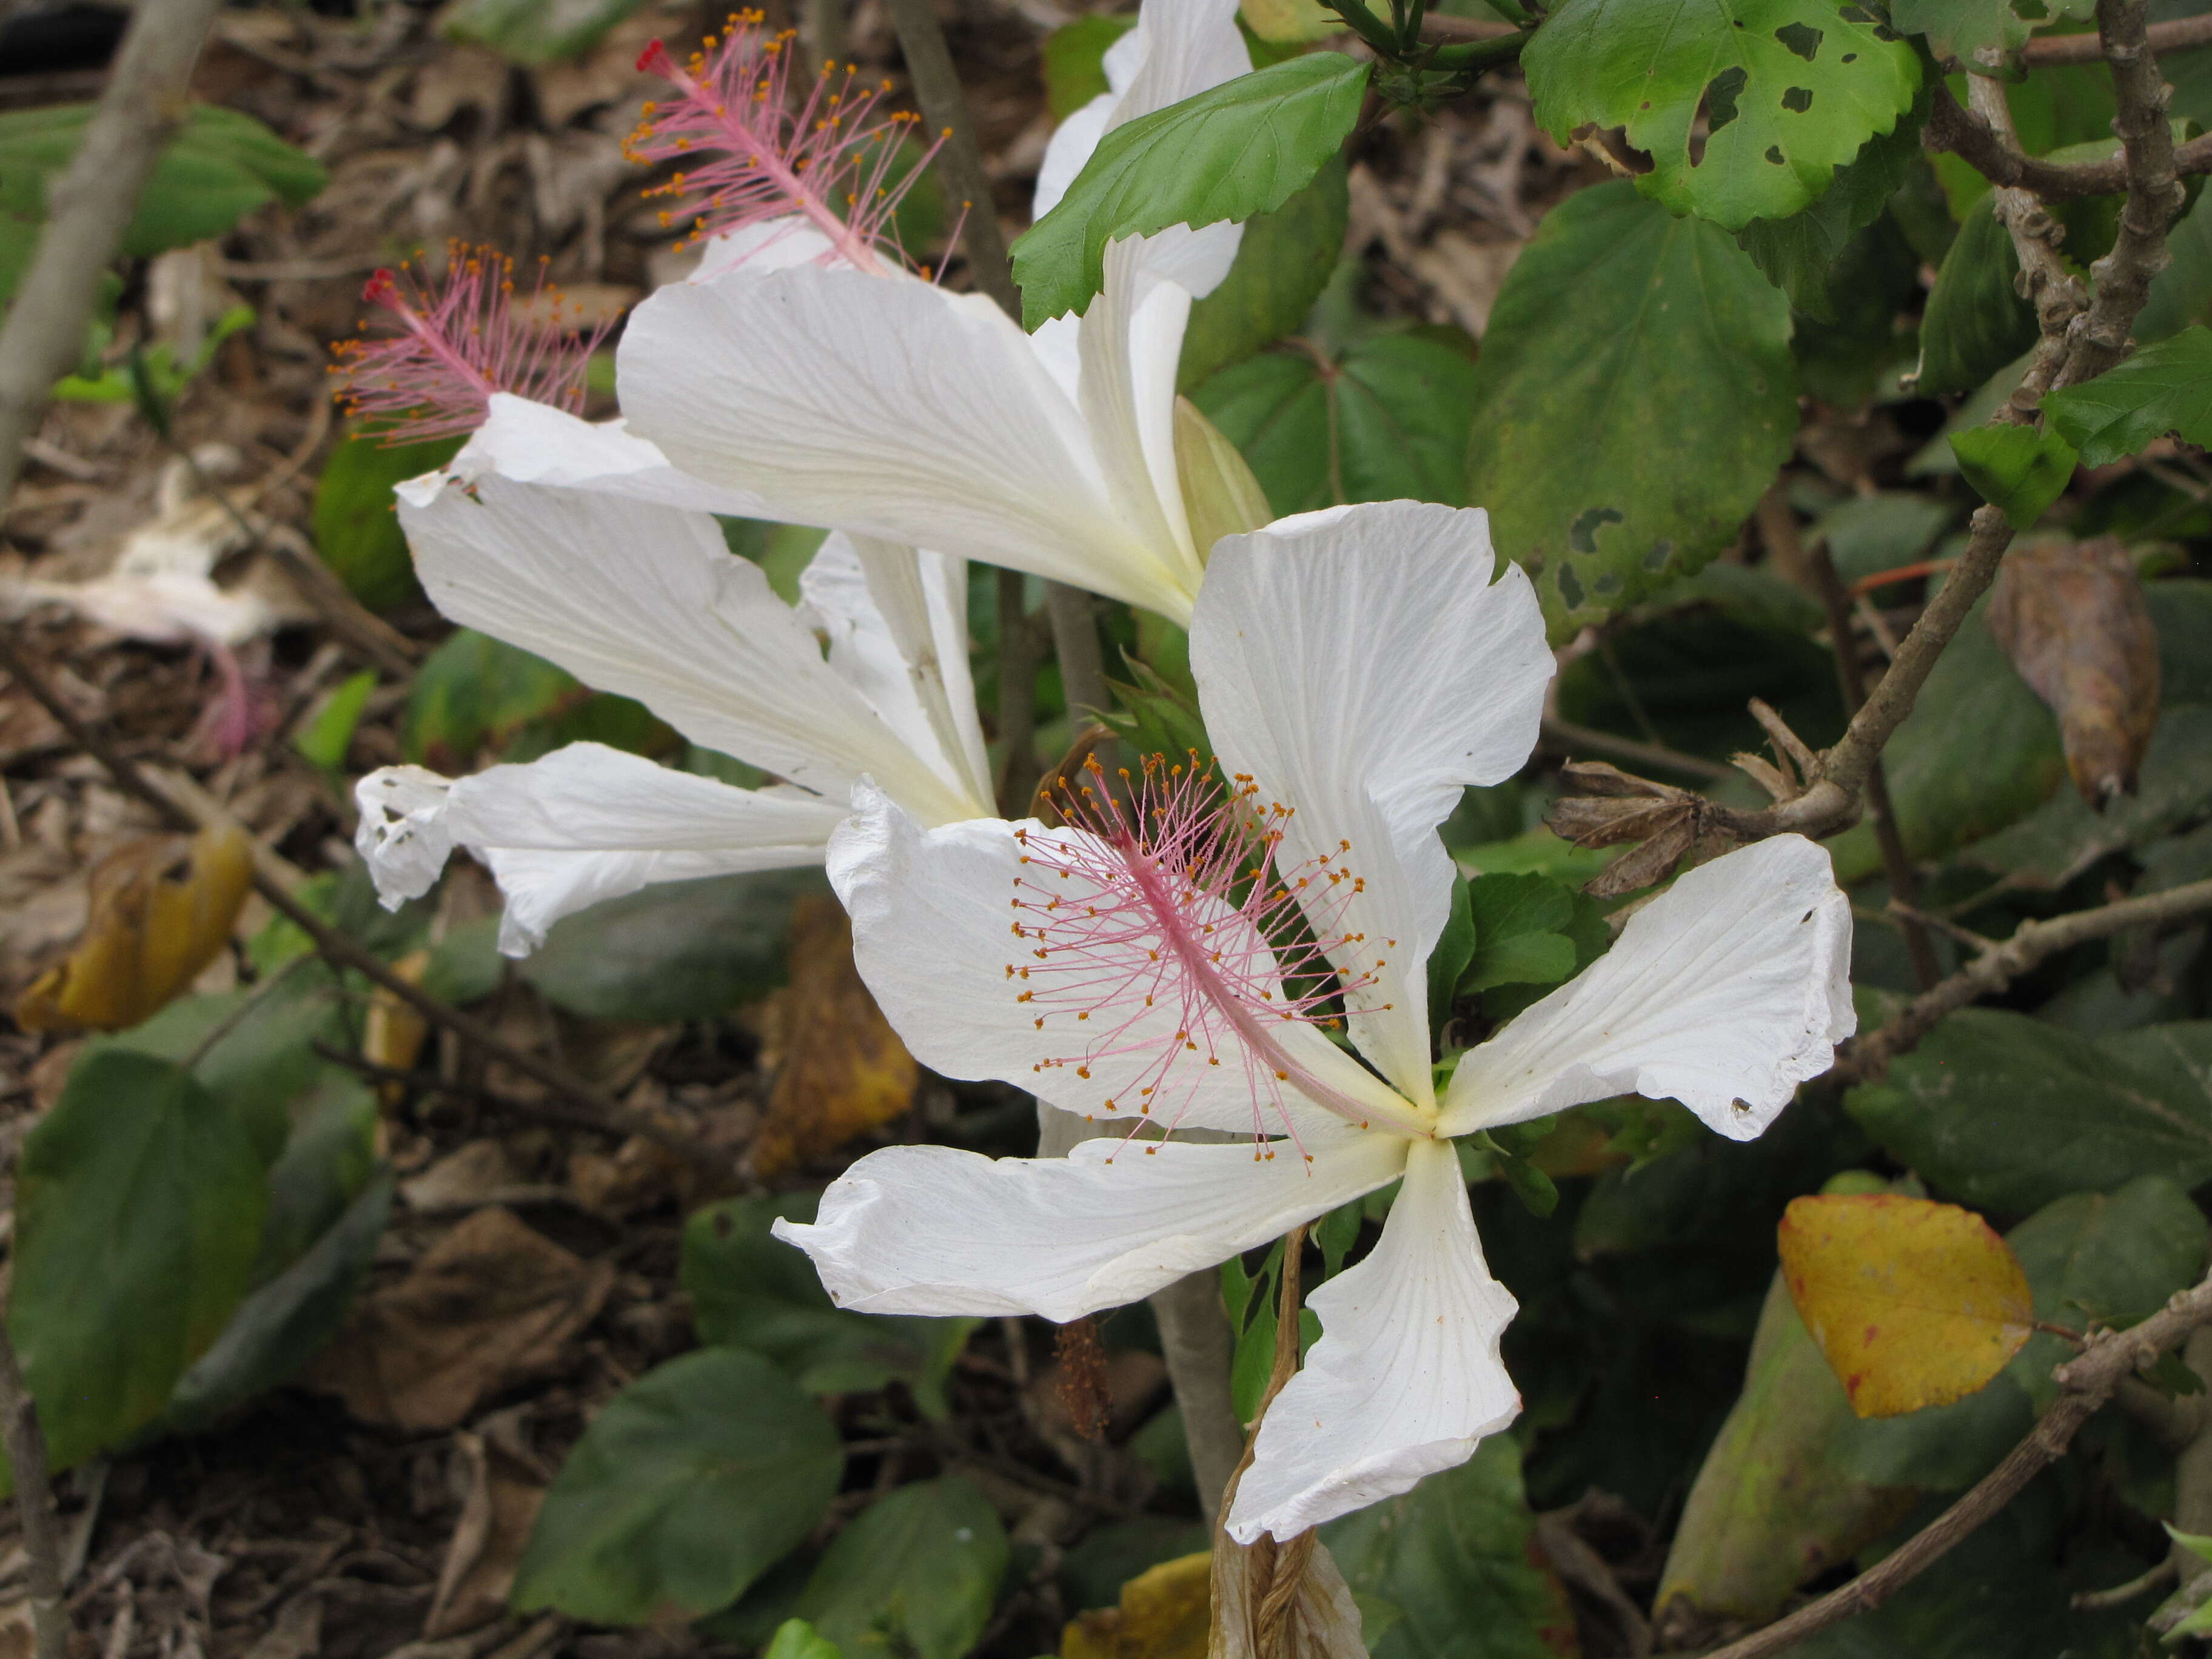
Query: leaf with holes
[
  {"x": 1790, "y": 89},
  {"x": 1386, "y": 420},
  {"x": 1915, "y": 1303},
  {"x": 1633, "y": 400},
  {"x": 1243, "y": 148},
  {"x": 2166, "y": 387}
]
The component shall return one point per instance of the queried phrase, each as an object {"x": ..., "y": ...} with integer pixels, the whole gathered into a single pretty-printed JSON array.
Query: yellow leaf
[
  {"x": 839, "y": 1069},
  {"x": 1164, "y": 1615},
  {"x": 1915, "y": 1303},
  {"x": 392, "y": 1032},
  {"x": 148, "y": 935},
  {"x": 1289, "y": 23}
]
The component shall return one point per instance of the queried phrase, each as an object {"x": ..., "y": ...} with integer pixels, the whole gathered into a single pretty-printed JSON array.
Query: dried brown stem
[
  {"x": 2123, "y": 276},
  {"x": 1566, "y": 735},
  {"x": 2086, "y": 1383},
  {"x": 34, "y": 1506},
  {"x": 1999, "y": 965},
  {"x": 1075, "y": 643},
  {"x": 1969, "y": 137},
  {"x": 604, "y": 1110}
]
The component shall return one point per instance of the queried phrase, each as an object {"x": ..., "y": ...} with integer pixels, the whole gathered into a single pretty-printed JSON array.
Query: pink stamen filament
[{"x": 1178, "y": 900}]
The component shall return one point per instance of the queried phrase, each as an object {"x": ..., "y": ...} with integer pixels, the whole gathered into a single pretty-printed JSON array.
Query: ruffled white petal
[
  {"x": 1725, "y": 993},
  {"x": 1130, "y": 341},
  {"x": 1362, "y": 665},
  {"x": 896, "y": 622},
  {"x": 646, "y": 601},
  {"x": 536, "y": 443},
  {"x": 1406, "y": 1379},
  {"x": 770, "y": 245},
  {"x": 931, "y": 1230},
  {"x": 933, "y": 936},
  {"x": 402, "y": 836},
  {"x": 587, "y": 823},
  {"x": 883, "y": 405}
]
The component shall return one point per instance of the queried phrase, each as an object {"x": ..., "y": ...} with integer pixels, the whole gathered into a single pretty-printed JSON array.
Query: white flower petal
[
  {"x": 897, "y": 625},
  {"x": 933, "y": 936},
  {"x": 587, "y": 823},
  {"x": 1189, "y": 46},
  {"x": 646, "y": 601},
  {"x": 886, "y": 407},
  {"x": 1130, "y": 341},
  {"x": 1725, "y": 993},
  {"x": 1360, "y": 663},
  {"x": 536, "y": 443},
  {"x": 403, "y": 836},
  {"x": 768, "y": 245},
  {"x": 1073, "y": 141},
  {"x": 1406, "y": 1379},
  {"x": 931, "y": 1230}
]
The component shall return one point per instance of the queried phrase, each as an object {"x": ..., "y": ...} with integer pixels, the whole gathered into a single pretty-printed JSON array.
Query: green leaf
[
  {"x": 1074, "y": 61},
  {"x": 278, "y": 1328},
  {"x": 1978, "y": 751},
  {"x": 1975, "y": 322},
  {"x": 1533, "y": 959},
  {"x": 1455, "y": 946},
  {"x": 1242, "y": 148},
  {"x": 1962, "y": 28},
  {"x": 749, "y": 1289},
  {"x": 1282, "y": 266},
  {"x": 1799, "y": 252},
  {"x": 327, "y": 735},
  {"x": 687, "y": 1487},
  {"x": 324, "y": 1166},
  {"x": 1776, "y": 1501},
  {"x": 1616, "y": 451},
  {"x": 465, "y": 966},
  {"x": 2008, "y": 1114},
  {"x": 1519, "y": 924},
  {"x": 1791, "y": 90},
  {"x": 356, "y": 530},
  {"x": 795, "y": 1638},
  {"x": 218, "y": 167},
  {"x": 138, "y": 1211},
  {"x": 2020, "y": 469},
  {"x": 914, "y": 1577},
  {"x": 1388, "y": 421},
  {"x": 676, "y": 950},
  {"x": 2163, "y": 388},
  {"x": 2114, "y": 1258},
  {"x": 475, "y": 691},
  {"x": 1452, "y": 1559},
  {"x": 535, "y": 31}
]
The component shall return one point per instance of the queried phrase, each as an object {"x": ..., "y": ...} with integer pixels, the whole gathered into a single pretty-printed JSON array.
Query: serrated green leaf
[
  {"x": 1615, "y": 450},
  {"x": 138, "y": 1211},
  {"x": 1964, "y": 28},
  {"x": 1388, "y": 421},
  {"x": 1242, "y": 148},
  {"x": 2020, "y": 469},
  {"x": 2166, "y": 387},
  {"x": 1790, "y": 89},
  {"x": 1975, "y": 322},
  {"x": 914, "y": 1577},
  {"x": 688, "y": 1486},
  {"x": 1798, "y": 253}
]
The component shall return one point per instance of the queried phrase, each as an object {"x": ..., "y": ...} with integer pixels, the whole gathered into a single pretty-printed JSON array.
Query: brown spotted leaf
[
  {"x": 2071, "y": 617},
  {"x": 1915, "y": 1303}
]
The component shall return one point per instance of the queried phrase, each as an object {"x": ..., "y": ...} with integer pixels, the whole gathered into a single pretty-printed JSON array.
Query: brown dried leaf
[
  {"x": 1653, "y": 862},
  {"x": 491, "y": 1305},
  {"x": 496, "y": 1517},
  {"x": 1257, "y": 1614},
  {"x": 839, "y": 1069},
  {"x": 2071, "y": 617},
  {"x": 150, "y": 932}
]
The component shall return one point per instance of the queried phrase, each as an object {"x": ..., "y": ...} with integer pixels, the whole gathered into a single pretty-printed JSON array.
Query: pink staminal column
[{"x": 1160, "y": 928}]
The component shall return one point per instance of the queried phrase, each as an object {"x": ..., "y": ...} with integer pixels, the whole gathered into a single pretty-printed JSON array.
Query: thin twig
[
  {"x": 92, "y": 201},
  {"x": 2123, "y": 276},
  {"x": 1566, "y": 735},
  {"x": 34, "y": 1506},
  {"x": 1850, "y": 677},
  {"x": 2086, "y": 1383},
  {"x": 1017, "y": 667},
  {"x": 1969, "y": 137},
  {"x": 2120, "y": 1595},
  {"x": 604, "y": 1111},
  {"x": 1075, "y": 643},
  {"x": 2183, "y": 35},
  {"x": 1998, "y": 966}
]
